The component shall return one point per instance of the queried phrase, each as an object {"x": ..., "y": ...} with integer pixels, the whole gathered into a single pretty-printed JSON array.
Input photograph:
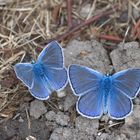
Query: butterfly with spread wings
[
  {"x": 46, "y": 75},
  {"x": 104, "y": 94}
]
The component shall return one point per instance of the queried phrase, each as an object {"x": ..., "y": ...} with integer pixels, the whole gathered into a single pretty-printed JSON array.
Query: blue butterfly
[
  {"x": 46, "y": 75},
  {"x": 103, "y": 94}
]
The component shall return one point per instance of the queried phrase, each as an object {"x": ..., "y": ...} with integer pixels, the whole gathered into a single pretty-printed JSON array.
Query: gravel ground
[{"x": 65, "y": 123}]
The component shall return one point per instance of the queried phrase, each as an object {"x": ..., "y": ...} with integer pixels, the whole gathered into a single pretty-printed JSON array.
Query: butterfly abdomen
[{"x": 106, "y": 86}]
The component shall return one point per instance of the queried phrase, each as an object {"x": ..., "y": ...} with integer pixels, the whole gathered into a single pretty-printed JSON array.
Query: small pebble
[
  {"x": 37, "y": 108},
  {"x": 62, "y": 119},
  {"x": 50, "y": 116},
  {"x": 89, "y": 126},
  {"x": 61, "y": 93}
]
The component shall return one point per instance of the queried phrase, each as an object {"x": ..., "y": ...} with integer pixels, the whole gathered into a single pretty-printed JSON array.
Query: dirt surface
[
  {"x": 63, "y": 122},
  {"x": 103, "y": 35}
]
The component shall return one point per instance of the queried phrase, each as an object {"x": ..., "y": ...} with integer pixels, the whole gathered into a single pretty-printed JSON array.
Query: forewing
[
  {"x": 90, "y": 105},
  {"x": 119, "y": 105},
  {"x": 51, "y": 56},
  {"x": 41, "y": 88},
  {"x": 128, "y": 81},
  {"x": 24, "y": 72},
  {"x": 83, "y": 79},
  {"x": 57, "y": 77}
]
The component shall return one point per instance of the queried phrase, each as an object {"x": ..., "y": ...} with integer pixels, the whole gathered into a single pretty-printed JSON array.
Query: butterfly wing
[
  {"x": 53, "y": 62},
  {"x": 90, "y": 104},
  {"x": 83, "y": 79},
  {"x": 119, "y": 105},
  {"x": 57, "y": 77},
  {"x": 24, "y": 72},
  {"x": 125, "y": 87},
  {"x": 85, "y": 83},
  {"x": 52, "y": 56},
  {"x": 41, "y": 88},
  {"x": 128, "y": 81}
]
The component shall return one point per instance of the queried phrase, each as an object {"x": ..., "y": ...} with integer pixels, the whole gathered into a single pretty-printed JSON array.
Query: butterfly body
[
  {"x": 38, "y": 69},
  {"x": 46, "y": 75},
  {"x": 104, "y": 94},
  {"x": 106, "y": 85}
]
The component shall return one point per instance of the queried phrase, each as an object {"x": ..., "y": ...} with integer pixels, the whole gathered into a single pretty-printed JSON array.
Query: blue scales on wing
[
  {"x": 57, "y": 77},
  {"x": 41, "y": 88},
  {"x": 24, "y": 71},
  {"x": 52, "y": 56},
  {"x": 128, "y": 81},
  {"x": 125, "y": 87},
  {"x": 47, "y": 74},
  {"x": 119, "y": 105},
  {"x": 85, "y": 83}
]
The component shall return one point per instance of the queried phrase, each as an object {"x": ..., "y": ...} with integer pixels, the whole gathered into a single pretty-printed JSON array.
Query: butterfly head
[
  {"x": 108, "y": 74},
  {"x": 32, "y": 62}
]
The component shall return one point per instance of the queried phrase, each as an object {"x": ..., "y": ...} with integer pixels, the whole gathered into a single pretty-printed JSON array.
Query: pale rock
[
  {"x": 87, "y": 53},
  {"x": 89, "y": 126},
  {"x": 69, "y": 101},
  {"x": 62, "y": 119},
  {"x": 126, "y": 56},
  {"x": 37, "y": 108},
  {"x": 61, "y": 93},
  {"x": 63, "y": 133},
  {"x": 50, "y": 116}
]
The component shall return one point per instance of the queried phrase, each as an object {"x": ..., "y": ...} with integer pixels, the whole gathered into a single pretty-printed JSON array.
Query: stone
[
  {"x": 89, "y": 126},
  {"x": 37, "y": 108},
  {"x": 51, "y": 125},
  {"x": 104, "y": 136},
  {"x": 50, "y": 116},
  {"x": 105, "y": 118},
  {"x": 59, "y": 117},
  {"x": 21, "y": 119},
  {"x": 126, "y": 56},
  {"x": 61, "y": 93},
  {"x": 131, "y": 128},
  {"x": 137, "y": 100},
  {"x": 61, "y": 105},
  {"x": 136, "y": 111},
  {"x": 121, "y": 137},
  {"x": 62, "y": 119},
  {"x": 69, "y": 101},
  {"x": 63, "y": 133},
  {"x": 87, "y": 53},
  {"x": 31, "y": 138},
  {"x": 134, "y": 116}
]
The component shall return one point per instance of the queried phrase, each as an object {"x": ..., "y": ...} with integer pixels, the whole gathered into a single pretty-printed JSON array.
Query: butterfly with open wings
[
  {"x": 46, "y": 75},
  {"x": 104, "y": 94}
]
